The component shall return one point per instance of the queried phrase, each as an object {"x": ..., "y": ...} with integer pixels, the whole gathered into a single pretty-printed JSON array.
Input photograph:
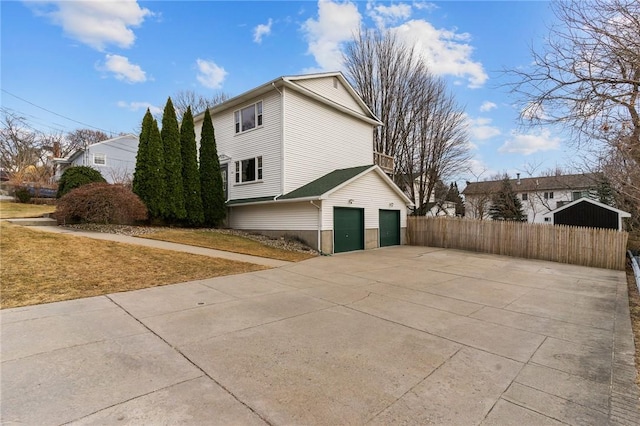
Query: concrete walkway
[
  {"x": 401, "y": 335},
  {"x": 274, "y": 263}
]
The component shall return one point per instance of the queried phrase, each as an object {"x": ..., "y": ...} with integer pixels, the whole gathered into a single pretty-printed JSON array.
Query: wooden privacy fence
[{"x": 600, "y": 248}]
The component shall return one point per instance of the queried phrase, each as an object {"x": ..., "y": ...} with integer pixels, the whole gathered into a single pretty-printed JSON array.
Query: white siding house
[
  {"x": 114, "y": 158},
  {"x": 297, "y": 158},
  {"x": 538, "y": 195}
]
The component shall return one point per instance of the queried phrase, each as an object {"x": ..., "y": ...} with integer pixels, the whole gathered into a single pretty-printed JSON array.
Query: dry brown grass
[
  {"x": 41, "y": 267},
  {"x": 634, "y": 307},
  {"x": 226, "y": 242},
  {"x": 10, "y": 210}
]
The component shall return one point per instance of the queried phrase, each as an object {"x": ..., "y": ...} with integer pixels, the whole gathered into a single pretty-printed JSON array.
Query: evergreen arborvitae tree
[
  {"x": 190, "y": 172},
  {"x": 155, "y": 188},
  {"x": 170, "y": 134},
  {"x": 148, "y": 178},
  {"x": 210, "y": 177},
  {"x": 505, "y": 204},
  {"x": 141, "y": 173}
]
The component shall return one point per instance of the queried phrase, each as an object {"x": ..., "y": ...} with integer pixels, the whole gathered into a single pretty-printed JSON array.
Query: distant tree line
[
  {"x": 26, "y": 154},
  {"x": 169, "y": 179}
]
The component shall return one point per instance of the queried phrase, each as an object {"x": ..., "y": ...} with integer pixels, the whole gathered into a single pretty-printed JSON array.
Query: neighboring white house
[
  {"x": 114, "y": 158},
  {"x": 539, "y": 195},
  {"x": 297, "y": 159}
]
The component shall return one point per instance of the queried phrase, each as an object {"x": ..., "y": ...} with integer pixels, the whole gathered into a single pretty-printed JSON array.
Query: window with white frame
[
  {"x": 249, "y": 170},
  {"x": 100, "y": 159},
  {"x": 525, "y": 197},
  {"x": 548, "y": 195},
  {"x": 248, "y": 118}
]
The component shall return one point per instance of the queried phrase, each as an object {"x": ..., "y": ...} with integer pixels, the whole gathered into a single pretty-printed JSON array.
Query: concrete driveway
[{"x": 402, "y": 335}]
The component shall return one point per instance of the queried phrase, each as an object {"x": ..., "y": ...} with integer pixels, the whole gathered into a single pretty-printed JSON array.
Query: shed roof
[{"x": 622, "y": 213}]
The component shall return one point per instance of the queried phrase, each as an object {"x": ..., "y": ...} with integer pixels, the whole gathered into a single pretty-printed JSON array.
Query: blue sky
[{"x": 101, "y": 64}]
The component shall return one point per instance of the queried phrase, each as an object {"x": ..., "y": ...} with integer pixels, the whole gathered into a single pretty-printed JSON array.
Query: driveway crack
[{"x": 183, "y": 355}]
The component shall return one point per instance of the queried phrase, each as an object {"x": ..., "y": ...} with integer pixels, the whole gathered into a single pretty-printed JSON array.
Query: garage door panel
[
  {"x": 389, "y": 228},
  {"x": 348, "y": 229}
]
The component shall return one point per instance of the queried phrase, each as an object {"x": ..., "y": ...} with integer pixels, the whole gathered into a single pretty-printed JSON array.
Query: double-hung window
[
  {"x": 100, "y": 159},
  {"x": 248, "y": 118},
  {"x": 249, "y": 170}
]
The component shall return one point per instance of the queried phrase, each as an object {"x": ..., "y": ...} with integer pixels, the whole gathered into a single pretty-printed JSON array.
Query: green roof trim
[
  {"x": 250, "y": 200},
  {"x": 325, "y": 183}
]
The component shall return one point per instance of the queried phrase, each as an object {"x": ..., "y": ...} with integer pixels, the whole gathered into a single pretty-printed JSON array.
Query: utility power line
[{"x": 55, "y": 113}]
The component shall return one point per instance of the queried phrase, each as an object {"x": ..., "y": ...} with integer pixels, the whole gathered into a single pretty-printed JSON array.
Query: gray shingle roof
[{"x": 543, "y": 183}]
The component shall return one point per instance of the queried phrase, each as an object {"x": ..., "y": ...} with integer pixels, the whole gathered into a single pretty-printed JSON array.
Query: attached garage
[
  {"x": 348, "y": 229},
  {"x": 358, "y": 208},
  {"x": 389, "y": 227}
]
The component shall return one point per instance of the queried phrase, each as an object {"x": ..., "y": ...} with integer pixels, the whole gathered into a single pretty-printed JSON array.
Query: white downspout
[{"x": 319, "y": 225}]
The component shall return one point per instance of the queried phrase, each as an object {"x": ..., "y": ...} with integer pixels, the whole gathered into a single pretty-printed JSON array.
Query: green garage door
[
  {"x": 389, "y": 228},
  {"x": 348, "y": 229}
]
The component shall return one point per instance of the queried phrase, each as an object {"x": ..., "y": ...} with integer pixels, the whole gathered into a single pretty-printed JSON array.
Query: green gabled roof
[
  {"x": 250, "y": 200},
  {"x": 325, "y": 183}
]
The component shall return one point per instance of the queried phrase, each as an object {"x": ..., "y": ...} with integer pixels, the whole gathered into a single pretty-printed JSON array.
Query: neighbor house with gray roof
[
  {"x": 297, "y": 159},
  {"x": 114, "y": 158},
  {"x": 539, "y": 195}
]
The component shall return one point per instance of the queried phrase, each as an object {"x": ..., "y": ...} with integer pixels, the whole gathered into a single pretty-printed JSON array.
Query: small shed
[{"x": 587, "y": 212}]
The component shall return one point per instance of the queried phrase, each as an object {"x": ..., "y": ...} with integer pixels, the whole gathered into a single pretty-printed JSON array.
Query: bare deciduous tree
[
  {"x": 198, "y": 103},
  {"x": 19, "y": 145},
  {"x": 587, "y": 78},
  {"x": 80, "y": 138},
  {"x": 423, "y": 127},
  {"x": 26, "y": 154}
]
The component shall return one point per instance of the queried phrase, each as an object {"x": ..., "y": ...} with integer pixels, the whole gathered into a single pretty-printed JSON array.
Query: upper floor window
[
  {"x": 548, "y": 195},
  {"x": 525, "y": 197},
  {"x": 249, "y": 170},
  {"x": 99, "y": 159},
  {"x": 248, "y": 118},
  {"x": 576, "y": 195}
]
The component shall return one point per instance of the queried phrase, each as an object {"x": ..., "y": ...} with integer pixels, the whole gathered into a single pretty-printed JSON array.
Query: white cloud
[
  {"x": 480, "y": 129},
  {"x": 96, "y": 23},
  {"x": 527, "y": 144},
  {"x": 336, "y": 24},
  {"x": 385, "y": 15},
  {"x": 124, "y": 70},
  {"x": 137, "y": 106},
  {"x": 261, "y": 31},
  {"x": 210, "y": 75},
  {"x": 425, "y": 5},
  {"x": 487, "y": 106},
  {"x": 446, "y": 52}
]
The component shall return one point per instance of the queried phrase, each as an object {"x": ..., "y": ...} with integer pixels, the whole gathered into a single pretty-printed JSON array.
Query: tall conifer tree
[
  {"x": 170, "y": 134},
  {"x": 505, "y": 204},
  {"x": 141, "y": 174},
  {"x": 210, "y": 177},
  {"x": 190, "y": 172},
  {"x": 156, "y": 195},
  {"x": 148, "y": 178}
]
